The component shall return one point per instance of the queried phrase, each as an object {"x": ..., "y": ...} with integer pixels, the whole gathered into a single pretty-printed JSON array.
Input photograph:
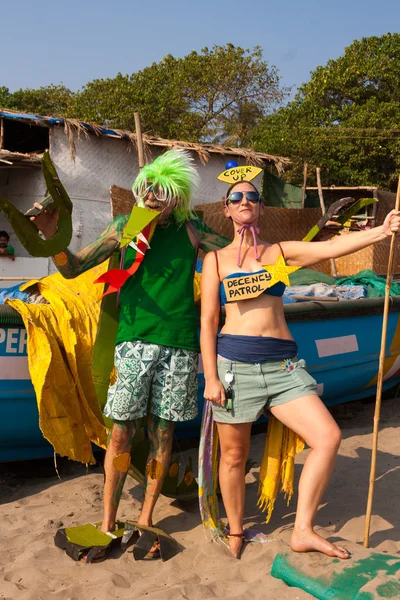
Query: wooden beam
[
  {"x": 365, "y": 188},
  {"x": 322, "y": 204},
  {"x": 303, "y": 194},
  {"x": 320, "y": 194},
  {"x": 139, "y": 140}
]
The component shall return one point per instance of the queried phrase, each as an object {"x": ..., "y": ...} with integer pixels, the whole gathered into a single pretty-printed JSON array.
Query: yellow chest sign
[{"x": 246, "y": 286}]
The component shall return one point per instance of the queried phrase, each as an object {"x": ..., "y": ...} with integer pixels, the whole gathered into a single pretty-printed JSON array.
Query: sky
[{"x": 73, "y": 42}]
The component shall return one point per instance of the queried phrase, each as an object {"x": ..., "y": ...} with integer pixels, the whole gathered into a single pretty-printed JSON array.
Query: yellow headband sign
[
  {"x": 237, "y": 174},
  {"x": 249, "y": 286}
]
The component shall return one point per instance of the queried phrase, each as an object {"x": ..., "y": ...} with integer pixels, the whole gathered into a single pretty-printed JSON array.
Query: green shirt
[
  {"x": 157, "y": 302},
  {"x": 10, "y": 250}
]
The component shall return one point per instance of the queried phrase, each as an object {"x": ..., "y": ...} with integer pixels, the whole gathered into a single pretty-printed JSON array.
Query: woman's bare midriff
[{"x": 262, "y": 316}]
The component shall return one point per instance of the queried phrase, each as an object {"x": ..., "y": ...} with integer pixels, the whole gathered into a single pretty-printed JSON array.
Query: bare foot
[
  {"x": 309, "y": 541},
  {"x": 236, "y": 545},
  {"x": 101, "y": 553}
]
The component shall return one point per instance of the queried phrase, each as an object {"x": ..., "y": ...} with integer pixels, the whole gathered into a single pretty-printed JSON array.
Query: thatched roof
[{"x": 203, "y": 150}]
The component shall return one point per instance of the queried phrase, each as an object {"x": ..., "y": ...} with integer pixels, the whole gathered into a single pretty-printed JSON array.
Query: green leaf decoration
[{"x": 27, "y": 232}]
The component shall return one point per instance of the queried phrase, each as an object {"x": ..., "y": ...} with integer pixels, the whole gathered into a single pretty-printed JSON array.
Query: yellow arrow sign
[
  {"x": 140, "y": 217},
  {"x": 237, "y": 174}
]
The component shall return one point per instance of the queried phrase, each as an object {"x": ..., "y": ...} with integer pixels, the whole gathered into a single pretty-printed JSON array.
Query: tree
[
  {"x": 218, "y": 94},
  {"x": 229, "y": 89},
  {"x": 49, "y": 100},
  {"x": 215, "y": 95},
  {"x": 154, "y": 91},
  {"x": 346, "y": 119},
  {"x": 4, "y": 96}
]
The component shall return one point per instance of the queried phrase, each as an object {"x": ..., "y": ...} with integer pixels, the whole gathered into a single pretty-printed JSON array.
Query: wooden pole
[
  {"x": 316, "y": 298},
  {"x": 139, "y": 139},
  {"x": 1, "y": 133},
  {"x": 18, "y": 278},
  {"x": 303, "y": 194},
  {"x": 320, "y": 192},
  {"x": 322, "y": 204},
  {"x": 380, "y": 381}
]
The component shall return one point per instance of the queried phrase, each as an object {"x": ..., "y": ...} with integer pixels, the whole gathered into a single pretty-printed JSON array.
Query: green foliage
[
  {"x": 49, "y": 100},
  {"x": 4, "y": 96},
  {"x": 218, "y": 94},
  {"x": 346, "y": 119}
]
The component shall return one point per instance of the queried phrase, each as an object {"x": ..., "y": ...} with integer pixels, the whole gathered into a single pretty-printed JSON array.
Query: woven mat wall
[
  {"x": 374, "y": 257},
  {"x": 122, "y": 201},
  {"x": 282, "y": 224}
]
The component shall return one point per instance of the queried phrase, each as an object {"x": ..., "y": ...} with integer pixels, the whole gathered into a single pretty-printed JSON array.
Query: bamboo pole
[
  {"x": 303, "y": 193},
  {"x": 18, "y": 278},
  {"x": 139, "y": 139},
  {"x": 379, "y": 384},
  {"x": 322, "y": 204}
]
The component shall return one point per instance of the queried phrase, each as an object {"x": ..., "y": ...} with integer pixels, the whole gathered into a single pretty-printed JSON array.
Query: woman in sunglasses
[{"x": 254, "y": 358}]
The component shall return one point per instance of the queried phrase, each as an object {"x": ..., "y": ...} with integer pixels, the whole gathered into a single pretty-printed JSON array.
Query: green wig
[{"x": 175, "y": 175}]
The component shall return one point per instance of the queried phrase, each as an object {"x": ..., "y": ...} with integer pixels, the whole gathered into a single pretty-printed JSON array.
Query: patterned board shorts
[{"x": 150, "y": 378}]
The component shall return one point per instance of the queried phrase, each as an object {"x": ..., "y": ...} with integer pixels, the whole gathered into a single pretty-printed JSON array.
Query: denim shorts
[{"x": 260, "y": 386}]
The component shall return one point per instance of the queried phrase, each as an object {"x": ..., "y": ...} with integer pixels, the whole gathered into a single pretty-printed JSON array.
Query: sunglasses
[
  {"x": 158, "y": 193},
  {"x": 237, "y": 197}
]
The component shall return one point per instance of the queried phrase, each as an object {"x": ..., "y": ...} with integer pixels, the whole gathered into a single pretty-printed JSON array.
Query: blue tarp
[{"x": 13, "y": 293}]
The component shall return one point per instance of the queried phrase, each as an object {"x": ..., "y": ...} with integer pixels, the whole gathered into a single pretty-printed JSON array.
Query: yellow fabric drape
[
  {"x": 277, "y": 465},
  {"x": 61, "y": 336}
]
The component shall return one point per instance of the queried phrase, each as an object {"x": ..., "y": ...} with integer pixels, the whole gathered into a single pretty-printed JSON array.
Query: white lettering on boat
[{"x": 12, "y": 341}]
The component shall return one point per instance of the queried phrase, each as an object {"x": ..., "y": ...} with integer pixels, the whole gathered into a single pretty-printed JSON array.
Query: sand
[{"x": 34, "y": 503}]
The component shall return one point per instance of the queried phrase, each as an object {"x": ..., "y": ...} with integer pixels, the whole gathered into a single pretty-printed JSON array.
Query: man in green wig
[{"x": 157, "y": 345}]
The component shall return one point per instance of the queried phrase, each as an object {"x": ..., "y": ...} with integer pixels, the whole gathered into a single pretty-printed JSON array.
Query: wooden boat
[{"x": 340, "y": 343}]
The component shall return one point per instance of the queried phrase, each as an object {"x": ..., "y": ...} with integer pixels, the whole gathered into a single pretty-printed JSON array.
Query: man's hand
[{"x": 46, "y": 221}]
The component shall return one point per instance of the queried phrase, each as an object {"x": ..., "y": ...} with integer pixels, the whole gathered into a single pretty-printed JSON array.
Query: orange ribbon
[{"x": 117, "y": 277}]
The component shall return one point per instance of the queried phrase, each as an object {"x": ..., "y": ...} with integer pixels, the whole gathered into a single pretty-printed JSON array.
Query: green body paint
[
  {"x": 161, "y": 434},
  {"x": 127, "y": 429},
  {"x": 95, "y": 253},
  {"x": 209, "y": 240}
]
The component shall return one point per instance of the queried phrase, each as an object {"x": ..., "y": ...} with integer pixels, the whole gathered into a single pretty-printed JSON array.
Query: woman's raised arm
[{"x": 305, "y": 254}]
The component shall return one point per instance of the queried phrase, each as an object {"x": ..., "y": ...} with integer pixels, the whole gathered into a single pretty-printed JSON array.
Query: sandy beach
[{"x": 35, "y": 503}]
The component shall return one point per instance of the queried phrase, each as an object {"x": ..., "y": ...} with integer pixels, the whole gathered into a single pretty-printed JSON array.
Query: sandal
[
  {"x": 96, "y": 555},
  {"x": 151, "y": 543},
  {"x": 236, "y": 536},
  {"x": 88, "y": 542}
]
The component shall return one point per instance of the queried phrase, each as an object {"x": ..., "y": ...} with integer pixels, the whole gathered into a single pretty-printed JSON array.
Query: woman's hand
[
  {"x": 392, "y": 223},
  {"x": 215, "y": 392},
  {"x": 46, "y": 221}
]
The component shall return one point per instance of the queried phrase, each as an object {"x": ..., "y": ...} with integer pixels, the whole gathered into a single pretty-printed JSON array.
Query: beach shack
[{"x": 90, "y": 160}]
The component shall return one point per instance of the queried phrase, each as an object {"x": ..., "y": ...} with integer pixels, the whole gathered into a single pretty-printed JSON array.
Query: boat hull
[{"x": 340, "y": 345}]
